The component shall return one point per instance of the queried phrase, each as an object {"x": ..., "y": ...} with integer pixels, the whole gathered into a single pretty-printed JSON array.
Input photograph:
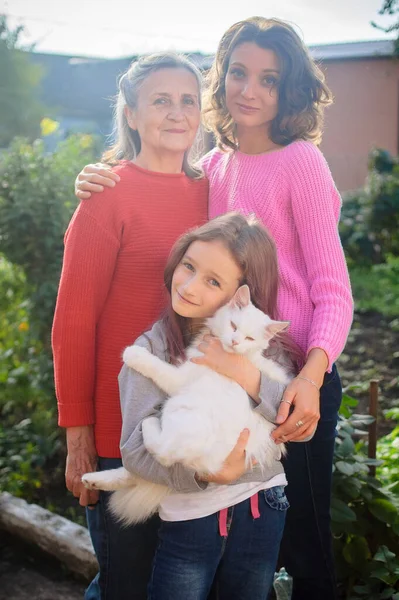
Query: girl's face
[
  {"x": 252, "y": 85},
  {"x": 206, "y": 278},
  {"x": 167, "y": 115}
]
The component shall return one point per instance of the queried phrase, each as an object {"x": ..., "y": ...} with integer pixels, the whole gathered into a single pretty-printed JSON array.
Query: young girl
[
  {"x": 215, "y": 534},
  {"x": 265, "y": 105}
]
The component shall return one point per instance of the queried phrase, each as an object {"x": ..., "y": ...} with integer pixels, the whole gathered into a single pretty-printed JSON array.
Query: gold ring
[{"x": 299, "y": 424}]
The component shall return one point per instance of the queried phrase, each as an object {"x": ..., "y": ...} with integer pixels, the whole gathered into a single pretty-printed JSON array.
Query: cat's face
[{"x": 241, "y": 327}]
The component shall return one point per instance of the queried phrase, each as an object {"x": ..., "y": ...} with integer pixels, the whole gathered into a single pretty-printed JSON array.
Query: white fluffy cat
[{"x": 205, "y": 412}]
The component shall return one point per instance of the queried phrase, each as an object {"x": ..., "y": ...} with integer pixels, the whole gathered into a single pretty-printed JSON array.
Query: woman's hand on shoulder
[
  {"x": 235, "y": 464},
  {"x": 93, "y": 178}
]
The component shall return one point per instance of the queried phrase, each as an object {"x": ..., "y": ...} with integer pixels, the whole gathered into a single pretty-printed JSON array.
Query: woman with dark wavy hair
[{"x": 264, "y": 104}]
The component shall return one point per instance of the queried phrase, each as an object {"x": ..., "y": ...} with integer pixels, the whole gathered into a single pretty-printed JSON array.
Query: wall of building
[{"x": 364, "y": 114}]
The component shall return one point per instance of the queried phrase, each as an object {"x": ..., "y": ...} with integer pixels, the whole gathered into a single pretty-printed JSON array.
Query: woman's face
[
  {"x": 252, "y": 85},
  {"x": 206, "y": 278},
  {"x": 167, "y": 115}
]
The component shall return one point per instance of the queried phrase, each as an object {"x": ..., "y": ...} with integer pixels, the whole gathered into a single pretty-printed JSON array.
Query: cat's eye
[
  {"x": 233, "y": 325},
  {"x": 250, "y": 339}
]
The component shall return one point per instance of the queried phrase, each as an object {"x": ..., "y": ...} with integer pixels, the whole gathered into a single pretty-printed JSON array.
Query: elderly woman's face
[{"x": 167, "y": 115}]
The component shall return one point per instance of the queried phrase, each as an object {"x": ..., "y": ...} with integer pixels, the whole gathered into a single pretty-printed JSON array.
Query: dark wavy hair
[
  {"x": 254, "y": 251},
  {"x": 302, "y": 92}
]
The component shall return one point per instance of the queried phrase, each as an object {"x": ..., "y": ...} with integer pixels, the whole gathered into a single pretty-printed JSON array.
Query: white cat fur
[{"x": 205, "y": 412}]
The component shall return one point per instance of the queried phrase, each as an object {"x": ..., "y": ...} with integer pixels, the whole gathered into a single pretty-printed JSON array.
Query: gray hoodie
[{"x": 141, "y": 398}]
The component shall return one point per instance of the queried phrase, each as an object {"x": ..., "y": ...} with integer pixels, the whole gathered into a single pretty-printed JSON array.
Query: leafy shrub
[
  {"x": 388, "y": 452},
  {"x": 376, "y": 287},
  {"x": 365, "y": 515},
  {"x": 36, "y": 204},
  {"x": 369, "y": 225}
]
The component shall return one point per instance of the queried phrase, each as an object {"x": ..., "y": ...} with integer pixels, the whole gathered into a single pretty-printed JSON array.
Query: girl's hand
[
  {"x": 231, "y": 365},
  {"x": 235, "y": 464},
  {"x": 302, "y": 422},
  {"x": 93, "y": 178},
  {"x": 216, "y": 358}
]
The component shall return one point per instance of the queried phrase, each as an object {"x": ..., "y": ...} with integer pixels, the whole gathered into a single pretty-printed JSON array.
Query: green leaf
[
  {"x": 384, "y": 510},
  {"x": 340, "y": 512},
  {"x": 357, "y": 552},
  {"x": 344, "y": 467},
  {"x": 383, "y": 554}
]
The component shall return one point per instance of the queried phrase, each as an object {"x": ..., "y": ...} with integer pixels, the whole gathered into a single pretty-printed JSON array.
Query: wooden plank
[{"x": 65, "y": 540}]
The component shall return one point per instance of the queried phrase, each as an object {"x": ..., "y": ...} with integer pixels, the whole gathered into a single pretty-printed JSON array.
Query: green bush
[
  {"x": 376, "y": 287},
  {"x": 365, "y": 515},
  {"x": 36, "y": 204},
  {"x": 369, "y": 225},
  {"x": 388, "y": 452}
]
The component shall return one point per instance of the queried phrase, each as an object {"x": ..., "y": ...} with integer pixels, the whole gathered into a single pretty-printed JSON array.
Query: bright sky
[{"x": 124, "y": 27}]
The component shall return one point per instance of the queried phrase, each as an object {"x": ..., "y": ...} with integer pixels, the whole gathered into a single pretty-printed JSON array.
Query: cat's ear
[
  {"x": 274, "y": 327},
  {"x": 241, "y": 298}
]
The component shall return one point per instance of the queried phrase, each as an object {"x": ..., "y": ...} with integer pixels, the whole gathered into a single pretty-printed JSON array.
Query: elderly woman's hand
[{"x": 81, "y": 459}]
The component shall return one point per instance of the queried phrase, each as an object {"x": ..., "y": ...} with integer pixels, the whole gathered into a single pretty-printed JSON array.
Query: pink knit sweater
[{"x": 292, "y": 192}]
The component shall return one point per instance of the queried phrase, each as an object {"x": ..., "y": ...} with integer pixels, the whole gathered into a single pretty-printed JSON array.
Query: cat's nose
[{"x": 234, "y": 343}]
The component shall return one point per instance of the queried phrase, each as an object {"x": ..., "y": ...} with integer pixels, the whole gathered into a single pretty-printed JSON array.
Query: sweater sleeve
[
  {"x": 316, "y": 208},
  {"x": 91, "y": 251},
  {"x": 140, "y": 398},
  {"x": 270, "y": 395}
]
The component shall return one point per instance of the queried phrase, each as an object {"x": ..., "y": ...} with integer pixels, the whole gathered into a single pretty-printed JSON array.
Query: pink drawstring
[
  {"x": 254, "y": 503},
  {"x": 255, "y": 506},
  {"x": 223, "y": 522}
]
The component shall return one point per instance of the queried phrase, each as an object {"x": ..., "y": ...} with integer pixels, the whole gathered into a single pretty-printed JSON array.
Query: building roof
[
  {"x": 85, "y": 87},
  {"x": 372, "y": 49}
]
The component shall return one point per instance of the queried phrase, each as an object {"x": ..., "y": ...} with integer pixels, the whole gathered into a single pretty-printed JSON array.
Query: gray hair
[{"x": 127, "y": 143}]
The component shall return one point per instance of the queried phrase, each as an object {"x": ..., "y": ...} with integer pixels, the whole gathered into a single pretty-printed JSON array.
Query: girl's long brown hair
[
  {"x": 302, "y": 92},
  {"x": 255, "y": 253}
]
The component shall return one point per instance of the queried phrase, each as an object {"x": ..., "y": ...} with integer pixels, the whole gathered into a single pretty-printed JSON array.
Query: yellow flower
[
  {"x": 24, "y": 326},
  {"x": 86, "y": 141},
  {"x": 48, "y": 126}
]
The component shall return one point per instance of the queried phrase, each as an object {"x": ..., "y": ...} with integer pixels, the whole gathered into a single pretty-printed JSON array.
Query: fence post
[{"x": 373, "y": 407}]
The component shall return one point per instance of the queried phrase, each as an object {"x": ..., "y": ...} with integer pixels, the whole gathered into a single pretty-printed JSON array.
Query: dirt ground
[
  {"x": 27, "y": 574},
  {"x": 372, "y": 352}
]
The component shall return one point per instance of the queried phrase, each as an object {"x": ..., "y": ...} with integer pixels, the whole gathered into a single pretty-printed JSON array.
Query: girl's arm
[
  {"x": 266, "y": 393},
  {"x": 140, "y": 399}
]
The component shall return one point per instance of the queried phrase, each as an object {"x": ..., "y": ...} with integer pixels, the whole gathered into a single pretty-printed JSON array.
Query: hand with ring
[{"x": 299, "y": 412}]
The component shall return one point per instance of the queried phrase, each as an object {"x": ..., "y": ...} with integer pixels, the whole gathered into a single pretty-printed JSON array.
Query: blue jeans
[
  {"x": 192, "y": 555},
  {"x": 306, "y": 549},
  {"x": 124, "y": 553}
]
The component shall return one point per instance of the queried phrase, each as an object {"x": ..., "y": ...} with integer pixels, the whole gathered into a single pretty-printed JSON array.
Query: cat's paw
[
  {"x": 92, "y": 481},
  {"x": 136, "y": 358}
]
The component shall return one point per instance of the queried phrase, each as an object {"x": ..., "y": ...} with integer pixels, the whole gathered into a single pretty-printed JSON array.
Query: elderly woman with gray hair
[{"x": 111, "y": 290}]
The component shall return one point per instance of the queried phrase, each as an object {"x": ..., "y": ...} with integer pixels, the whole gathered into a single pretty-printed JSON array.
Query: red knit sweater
[{"x": 111, "y": 288}]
